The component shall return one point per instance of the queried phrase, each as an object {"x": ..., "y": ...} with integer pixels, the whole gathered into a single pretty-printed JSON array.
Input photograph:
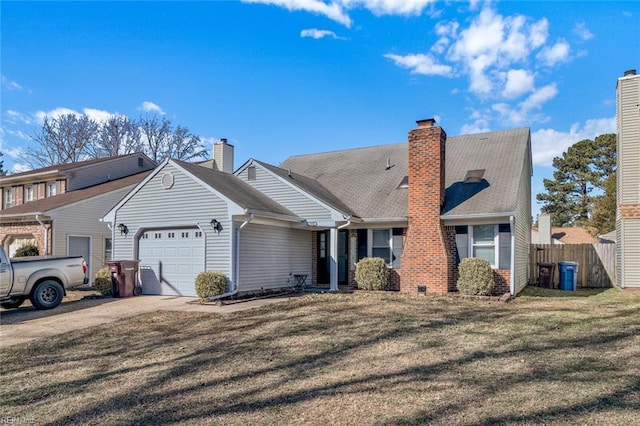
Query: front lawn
[{"x": 343, "y": 359}]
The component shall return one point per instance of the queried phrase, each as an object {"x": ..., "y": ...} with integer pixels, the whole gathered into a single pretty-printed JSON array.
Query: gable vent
[{"x": 474, "y": 176}]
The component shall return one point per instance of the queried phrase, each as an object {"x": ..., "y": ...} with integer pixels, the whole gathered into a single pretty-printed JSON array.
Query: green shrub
[
  {"x": 475, "y": 276},
  {"x": 210, "y": 284},
  {"x": 102, "y": 282},
  {"x": 29, "y": 249},
  {"x": 372, "y": 273}
]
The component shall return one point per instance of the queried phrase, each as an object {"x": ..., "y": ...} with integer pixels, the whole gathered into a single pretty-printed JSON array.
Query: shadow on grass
[{"x": 430, "y": 361}]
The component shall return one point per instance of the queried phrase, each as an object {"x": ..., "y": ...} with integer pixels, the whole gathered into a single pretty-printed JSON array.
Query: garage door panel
[{"x": 170, "y": 260}]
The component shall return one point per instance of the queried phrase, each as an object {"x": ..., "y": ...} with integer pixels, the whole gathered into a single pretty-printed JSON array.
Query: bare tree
[
  {"x": 156, "y": 136},
  {"x": 186, "y": 146},
  {"x": 118, "y": 136},
  {"x": 62, "y": 140}
]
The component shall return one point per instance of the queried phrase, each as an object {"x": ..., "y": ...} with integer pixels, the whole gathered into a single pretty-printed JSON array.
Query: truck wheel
[
  {"x": 47, "y": 295},
  {"x": 13, "y": 302}
]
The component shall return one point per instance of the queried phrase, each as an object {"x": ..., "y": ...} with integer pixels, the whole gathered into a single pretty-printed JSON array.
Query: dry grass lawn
[{"x": 343, "y": 360}]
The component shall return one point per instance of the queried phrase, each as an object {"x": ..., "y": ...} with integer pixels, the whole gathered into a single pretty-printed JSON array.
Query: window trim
[
  {"x": 393, "y": 264},
  {"x": 8, "y": 197},
  {"x": 497, "y": 243}
]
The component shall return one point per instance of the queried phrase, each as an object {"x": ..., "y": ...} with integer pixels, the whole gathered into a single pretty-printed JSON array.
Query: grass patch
[{"x": 343, "y": 359}]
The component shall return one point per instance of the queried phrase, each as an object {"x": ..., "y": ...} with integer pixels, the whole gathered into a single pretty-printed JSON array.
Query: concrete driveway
[{"x": 26, "y": 323}]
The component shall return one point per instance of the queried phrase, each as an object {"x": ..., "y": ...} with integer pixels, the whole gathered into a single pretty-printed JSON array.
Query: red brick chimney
[{"x": 427, "y": 257}]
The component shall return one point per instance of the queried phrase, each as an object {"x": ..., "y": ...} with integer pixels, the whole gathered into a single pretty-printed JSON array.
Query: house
[
  {"x": 421, "y": 205},
  {"x": 57, "y": 208},
  {"x": 628, "y": 181},
  {"x": 546, "y": 234}
]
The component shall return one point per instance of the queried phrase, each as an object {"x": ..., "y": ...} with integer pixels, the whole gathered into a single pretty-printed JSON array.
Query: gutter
[
  {"x": 476, "y": 216},
  {"x": 237, "y": 271},
  {"x": 46, "y": 235}
]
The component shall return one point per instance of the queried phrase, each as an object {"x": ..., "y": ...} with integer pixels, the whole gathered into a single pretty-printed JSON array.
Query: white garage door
[{"x": 170, "y": 260}]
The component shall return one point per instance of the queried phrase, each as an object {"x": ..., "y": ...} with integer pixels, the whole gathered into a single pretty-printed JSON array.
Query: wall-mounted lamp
[
  {"x": 123, "y": 229},
  {"x": 216, "y": 225}
]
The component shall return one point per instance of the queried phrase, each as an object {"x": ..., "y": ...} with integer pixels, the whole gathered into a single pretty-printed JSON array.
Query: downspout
[
  {"x": 237, "y": 271},
  {"x": 512, "y": 282},
  {"x": 346, "y": 224},
  {"x": 46, "y": 235}
]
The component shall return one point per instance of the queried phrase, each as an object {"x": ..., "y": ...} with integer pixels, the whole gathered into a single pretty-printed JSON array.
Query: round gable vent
[{"x": 167, "y": 180}]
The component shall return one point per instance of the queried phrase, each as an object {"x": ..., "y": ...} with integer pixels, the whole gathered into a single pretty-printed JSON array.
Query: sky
[{"x": 284, "y": 77}]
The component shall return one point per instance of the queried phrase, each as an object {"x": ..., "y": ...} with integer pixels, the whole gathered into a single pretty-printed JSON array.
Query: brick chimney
[
  {"x": 428, "y": 260},
  {"x": 223, "y": 156}
]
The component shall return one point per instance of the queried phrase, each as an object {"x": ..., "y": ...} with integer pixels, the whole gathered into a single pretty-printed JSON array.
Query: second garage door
[{"x": 170, "y": 260}]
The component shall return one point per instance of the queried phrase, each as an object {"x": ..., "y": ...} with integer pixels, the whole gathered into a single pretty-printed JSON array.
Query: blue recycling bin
[{"x": 568, "y": 275}]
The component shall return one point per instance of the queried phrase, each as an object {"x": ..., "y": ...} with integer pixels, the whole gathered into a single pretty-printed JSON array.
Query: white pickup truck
[{"x": 43, "y": 279}]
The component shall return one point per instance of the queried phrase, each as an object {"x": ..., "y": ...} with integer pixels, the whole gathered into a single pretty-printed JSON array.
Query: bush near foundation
[
  {"x": 210, "y": 283},
  {"x": 26, "y": 250},
  {"x": 372, "y": 273},
  {"x": 475, "y": 276},
  {"x": 102, "y": 282}
]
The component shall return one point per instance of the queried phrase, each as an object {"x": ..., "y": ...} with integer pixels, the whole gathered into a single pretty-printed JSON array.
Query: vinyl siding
[
  {"x": 630, "y": 247},
  {"x": 522, "y": 227},
  {"x": 186, "y": 203},
  {"x": 287, "y": 196},
  {"x": 628, "y": 174},
  {"x": 106, "y": 171},
  {"x": 268, "y": 255},
  {"x": 619, "y": 260},
  {"x": 82, "y": 219}
]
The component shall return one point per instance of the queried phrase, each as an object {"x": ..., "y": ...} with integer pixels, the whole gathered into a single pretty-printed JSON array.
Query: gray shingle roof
[
  {"x": 235, "y": 189},
  {"x": 359, "y": 177}
]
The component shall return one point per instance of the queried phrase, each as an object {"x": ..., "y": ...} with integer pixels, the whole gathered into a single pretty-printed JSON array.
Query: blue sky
[{"x": 284, "y": 77}]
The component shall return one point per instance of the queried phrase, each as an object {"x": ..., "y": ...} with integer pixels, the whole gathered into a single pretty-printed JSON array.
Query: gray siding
[
  {"x": 628, "y": 141},
  {"x": 287, "y": 196},
  {"x": 186, "y": 203},
  {"x": 523, "y": 228},
  {"x": 268, "y": 255},
  {"x": 82, "y": 219},
  {"x": 630, "y": 248},
  {"x": 107, "y": 170}
]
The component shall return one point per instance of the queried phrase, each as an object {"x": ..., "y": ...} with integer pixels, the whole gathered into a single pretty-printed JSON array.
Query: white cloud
[
  {"x": 19, "y": 134},
  {"x": 539, "y": 97},
  {"x": 582, "y": 31},
  {"x": 53, "y": 114},
  {"x": 336, "y": 10},
  {"x": 549, "y": 143},
  {"x": 95, "y": 114},
  {"x": 17, "y": 117},
  {"x": 389, "y": 7},
  {"x": 518, "y": 82},
  {"x": 332, "y": 10},
  {"x": 10, "y": 85},
  {"x": 147, "y": 106},
  {"x": 318, "y": 34},
  {"x": 420, "y": 64},
  {"x": 552, "y": 55},
  {"x": 538, "y": 33}
]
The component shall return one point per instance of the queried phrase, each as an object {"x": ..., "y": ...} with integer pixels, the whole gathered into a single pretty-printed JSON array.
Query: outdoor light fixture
[
  {"x": 123, "y": 229},
  {"x": 216, "y": 225}
]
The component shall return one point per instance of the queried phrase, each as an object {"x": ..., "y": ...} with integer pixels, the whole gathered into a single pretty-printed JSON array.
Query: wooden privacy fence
[{"x": 597, "y": 262}]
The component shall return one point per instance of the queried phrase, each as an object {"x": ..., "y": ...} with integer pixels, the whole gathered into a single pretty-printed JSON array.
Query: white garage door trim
[{"x": 170, "y": 260}]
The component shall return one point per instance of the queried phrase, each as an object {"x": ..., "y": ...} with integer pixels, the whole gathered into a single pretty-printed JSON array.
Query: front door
[
  {"x": 323, "y": 250},
  {"x": 323, "y": 257},
  {"x": 81, "y": 246},
  {"x": 343, "y": 263}
]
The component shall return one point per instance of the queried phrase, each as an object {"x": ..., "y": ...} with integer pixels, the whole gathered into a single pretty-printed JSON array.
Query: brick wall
[
  {"x": 502, "y": 278},
  {"x": 427, "y": 258},
  {"x": 10, "y": 230}
]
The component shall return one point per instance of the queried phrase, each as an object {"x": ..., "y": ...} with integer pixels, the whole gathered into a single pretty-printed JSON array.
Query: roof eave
[{"x": 476, "y": 215}]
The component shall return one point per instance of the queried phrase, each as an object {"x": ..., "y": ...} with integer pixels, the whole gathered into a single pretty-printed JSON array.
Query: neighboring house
[
  {"x": 421, "y": 205},
  {"x": 65, "y": 220},
  {"x": 566, "y": 235},
  {"x": 628, "y": 181}
]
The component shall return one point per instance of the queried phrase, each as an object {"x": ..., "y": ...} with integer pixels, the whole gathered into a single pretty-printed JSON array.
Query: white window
[
  {"x": 491, "y": 242},
  {"x": 52, "y": 189},
  {"x": 385, "y": 243},
  {"x": 8, "y": 198},
  {"x": 29, "y": 193}
]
